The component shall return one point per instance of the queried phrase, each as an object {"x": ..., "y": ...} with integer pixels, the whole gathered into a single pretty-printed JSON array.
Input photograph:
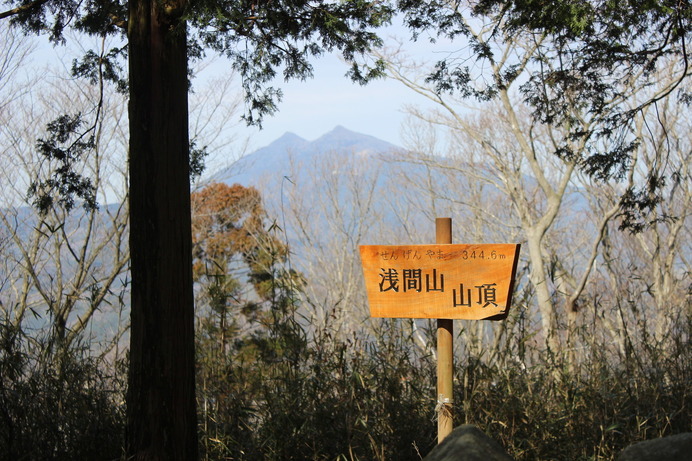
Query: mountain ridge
[{"x": 290, "y": 151}]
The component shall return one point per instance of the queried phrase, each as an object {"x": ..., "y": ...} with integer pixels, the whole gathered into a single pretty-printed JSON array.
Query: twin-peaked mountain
[{"x": 290, "y": 155}]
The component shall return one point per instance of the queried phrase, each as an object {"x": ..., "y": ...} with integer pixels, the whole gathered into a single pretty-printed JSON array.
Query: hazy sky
[{"x": 314, "y": 107}]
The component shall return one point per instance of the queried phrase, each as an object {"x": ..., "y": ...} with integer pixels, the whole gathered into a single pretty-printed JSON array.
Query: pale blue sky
[{"x": 314, "y": 107}]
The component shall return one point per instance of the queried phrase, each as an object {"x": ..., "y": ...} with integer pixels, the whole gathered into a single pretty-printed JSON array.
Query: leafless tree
[
  {"x": 330, "y": 212},
  {"x": 532, "y": 165},
  {"x": 63, "y": 268}
]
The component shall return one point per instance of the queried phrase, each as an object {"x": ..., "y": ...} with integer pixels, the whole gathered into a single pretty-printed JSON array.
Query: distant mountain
[{"x": 291, "y": 153}]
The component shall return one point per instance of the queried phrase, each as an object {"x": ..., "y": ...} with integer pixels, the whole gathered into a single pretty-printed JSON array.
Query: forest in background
[{"x": 595, "y": 354}]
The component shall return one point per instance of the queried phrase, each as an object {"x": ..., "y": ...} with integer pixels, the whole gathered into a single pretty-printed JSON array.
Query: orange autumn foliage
[{"x": 228, "y": 222}]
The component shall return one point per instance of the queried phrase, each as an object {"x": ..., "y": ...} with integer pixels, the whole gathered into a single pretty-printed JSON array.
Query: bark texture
[{"x": 161, "y": 420}]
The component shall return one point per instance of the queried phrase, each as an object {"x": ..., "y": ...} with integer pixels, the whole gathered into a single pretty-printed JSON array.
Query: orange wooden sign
[{"x": 455, "y": 281}]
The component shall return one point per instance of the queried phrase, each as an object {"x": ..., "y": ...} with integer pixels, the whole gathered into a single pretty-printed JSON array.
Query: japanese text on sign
[{"x": 439, "y": 281}]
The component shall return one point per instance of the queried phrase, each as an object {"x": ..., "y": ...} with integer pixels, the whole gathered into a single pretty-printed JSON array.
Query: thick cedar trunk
[{"x": 161, "y": 414}]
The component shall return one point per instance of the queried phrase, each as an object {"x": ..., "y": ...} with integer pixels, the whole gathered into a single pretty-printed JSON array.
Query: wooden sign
[{"x": 453, "y": 281}]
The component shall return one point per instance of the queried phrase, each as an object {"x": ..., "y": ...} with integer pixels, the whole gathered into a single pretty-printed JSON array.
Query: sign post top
[{"x": 447, "y": 281}]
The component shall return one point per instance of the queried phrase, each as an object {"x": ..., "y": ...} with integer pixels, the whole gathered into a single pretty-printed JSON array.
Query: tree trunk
[
  {"x": 161, "y": 413},
  {"x": 539, "y": 280}
]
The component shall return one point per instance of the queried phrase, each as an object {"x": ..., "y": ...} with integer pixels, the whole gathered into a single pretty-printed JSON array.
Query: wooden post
[
  {"x": 445, "y": 354},
  {"x": 488, "y": 267}
]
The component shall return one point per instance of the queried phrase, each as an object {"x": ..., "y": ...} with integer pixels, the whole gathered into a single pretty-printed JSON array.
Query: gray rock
[
  {"x": 672, "y": 448},
  {"x": 468, "y": 443}
]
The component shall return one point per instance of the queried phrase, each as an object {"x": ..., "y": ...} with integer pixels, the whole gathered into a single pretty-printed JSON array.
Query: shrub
[{"x": 64, "y": 407}]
